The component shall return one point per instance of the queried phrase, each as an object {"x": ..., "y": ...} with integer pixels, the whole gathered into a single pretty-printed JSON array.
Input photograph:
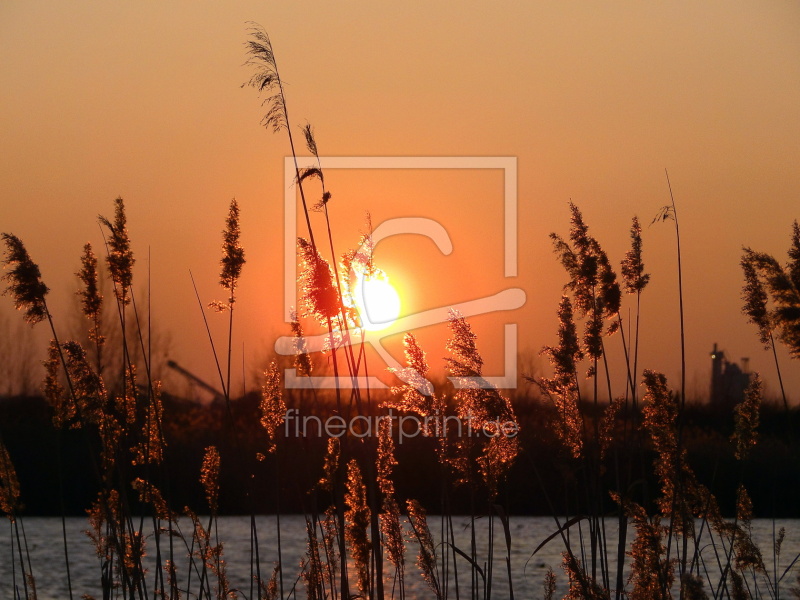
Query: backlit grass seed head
[
  {"x": 647, "y": 551},
  {"x": 150, "y": 450},
  {"x": 265, "y": 79},
  {"x": 357, "y": 520},
  {"x": 739, "y": 591},
  {"x": 747, "y": 554},
  {"x": 269, "y": 589},
  {"x": 127, "y": 404},
  {"x": 311, "y": 566},
  {"x": 581, "y": 587},
  {"x": 426, "y": 559},
  {"x": 660, "y": 412},
  {"x": 568, "y": 353},
  {"x": 392, "y": 530},
  {"x": 91, "y": 298},
  {"x": 497, "y": 457},
  {"x": 102, "y": 516},
  {"x": 9, "y": 484},
  {"x": 593, "y": 282},
  {"x": 562, "y": 388},
  {"x": 150, "y": 494},
  {"x": 273, "y": 408},
  {"x": 62, "y": 404},
  {"x": 90, "y": 391},
  {"x": 466, "y": 361},
  {"x": 785, "y": 316},
  {"x": 415, "y": 355},
  {"x": 609, "y": 296},
  {"x": 24, "y": 280},
  {"x": 746, "y": 416},
  {"x": 209, "y": 477},
  {"x": 579, "y": 260},
  {"x": 330, "y": 464},
  {"x": 794, "y": 256},
  {"x": 481, "y": 405},
  {"x": 302, "y": 360},
  {"x": 317, "y": 286},
  {"x": 385, "y": 460},
  {"x": 120, "y": 256},
  {"x": 755, "y": 302},
  {"x": 416, "y": 392},
  {"x": 692, "y": 587},
  {"x": 232, "y": 252},
  {"x": 608, "y": 424},
  {"x": 569, "y": 421},
  {"x": 633, "y": 276},
  {"x": 330, "y": 533}
]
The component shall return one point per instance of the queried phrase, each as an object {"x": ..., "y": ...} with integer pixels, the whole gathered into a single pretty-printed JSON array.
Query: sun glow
[{"x": 377, "y": 301}]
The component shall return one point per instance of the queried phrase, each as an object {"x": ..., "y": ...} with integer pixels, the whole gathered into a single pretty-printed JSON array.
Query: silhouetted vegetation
[{"x": 107, "y": 441}]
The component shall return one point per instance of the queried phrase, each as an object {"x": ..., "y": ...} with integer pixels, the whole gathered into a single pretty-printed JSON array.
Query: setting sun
[{"x": 377, "y": 301}]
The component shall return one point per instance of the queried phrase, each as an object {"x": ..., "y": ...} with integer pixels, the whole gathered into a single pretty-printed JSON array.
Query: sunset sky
[{"x": 595, "y": 100}]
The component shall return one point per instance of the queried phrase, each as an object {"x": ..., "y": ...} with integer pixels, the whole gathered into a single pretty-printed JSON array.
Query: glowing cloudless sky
[{"x": 595, "y": 100}]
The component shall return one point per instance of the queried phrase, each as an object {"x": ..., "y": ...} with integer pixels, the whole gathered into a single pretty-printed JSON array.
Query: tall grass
[{"x": 358, "y": 538}]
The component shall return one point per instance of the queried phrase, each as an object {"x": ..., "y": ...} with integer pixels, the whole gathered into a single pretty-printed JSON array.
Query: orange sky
[{"x": 143, "y": 100}]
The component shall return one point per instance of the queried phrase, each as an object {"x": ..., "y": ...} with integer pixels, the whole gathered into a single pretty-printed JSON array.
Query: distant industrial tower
[{"x": 728, "y": 380}]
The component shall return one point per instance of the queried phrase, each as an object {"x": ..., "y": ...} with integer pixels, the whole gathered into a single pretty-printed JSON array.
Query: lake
[{"x": 45, "y": 545}]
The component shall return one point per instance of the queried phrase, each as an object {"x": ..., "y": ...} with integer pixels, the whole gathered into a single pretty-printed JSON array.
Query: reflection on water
[{"x": 45, "y": 544}]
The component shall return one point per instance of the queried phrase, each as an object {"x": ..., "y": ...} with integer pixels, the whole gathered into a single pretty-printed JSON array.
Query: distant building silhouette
[{"x": 728, "y": 380}]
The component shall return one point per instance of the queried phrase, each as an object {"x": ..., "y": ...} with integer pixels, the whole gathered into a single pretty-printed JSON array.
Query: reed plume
[
  {"x": 481, "y": 406},
  {"x": 273, "y": 408},
  {"x": 93, "y": 403},
  {"x": 91, "y": 298},
  {"x": 755, "y": 303},
  {"x": 746, "y": 417},
  {"x": 269, "y": 589},
  {"x": 651, "y": 572},
  {"x": 785, "y": 316},
  {"x": 232, "y": 254},
  {"x": 150, "y": 449},
  {"x": 794, "y": 256},
  {"x": 392, "y": 530},
  {"x": 311, "y": 567},
  {"x": 580, "y": 586},
  {"x": 63, "y": 405},
  {"x": 385, "y": 460},
  {"x": 266, "y": 78},
  {"x": 357, "y": 521},
  {"x": 150, "y": 494},
  {"x": 330, "y": 464},
  {"x": 24, "y": 280},
  {"x": 302, "y": 360},
  {"x": 549, "y": 584},
  {"x": 592, "y": 281},
  {"x": 562, "y": 387},
  {"x": 9, "y": 484},
  {"x": 319, "y": 294},
  {"x": 426, "y": 559},
  {"x": 747, "y": 554},
  {"x": 120, "y": 256},
  {"x": 416, "y": 392},
  {"x": 209, "y": 477},
  {"x": 633, "y": 276}
]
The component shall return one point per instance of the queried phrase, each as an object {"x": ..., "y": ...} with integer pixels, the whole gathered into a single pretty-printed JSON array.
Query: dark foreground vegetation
[{"x": 771, "y": 475}]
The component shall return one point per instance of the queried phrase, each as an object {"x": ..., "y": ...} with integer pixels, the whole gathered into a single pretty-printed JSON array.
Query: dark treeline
[{"x": 543, "y": 481}]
